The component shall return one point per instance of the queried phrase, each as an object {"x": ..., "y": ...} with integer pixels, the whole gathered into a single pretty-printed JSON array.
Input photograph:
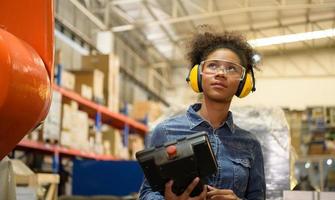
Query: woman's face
[{"x": 219, "y": 87}]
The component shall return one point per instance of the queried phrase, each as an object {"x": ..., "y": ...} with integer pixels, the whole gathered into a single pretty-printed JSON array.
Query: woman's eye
[
  {"x": 212, "y": 65},
  {"x": 231, "y": 68}
]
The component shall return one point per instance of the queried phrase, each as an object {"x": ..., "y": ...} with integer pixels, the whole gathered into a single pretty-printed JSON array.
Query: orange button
[{"x": 171, "y": 150}]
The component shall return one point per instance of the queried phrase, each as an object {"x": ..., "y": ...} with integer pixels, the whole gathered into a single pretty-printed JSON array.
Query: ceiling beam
[
  {"x": 89, "y": 15},
  {"x": 220, "y": 17},
  {"x": 182, "y": 6},
  {"x": 164, "y": 28},
  {"x": 226, "y": 12},
  {"x": 258, "y": 27}
]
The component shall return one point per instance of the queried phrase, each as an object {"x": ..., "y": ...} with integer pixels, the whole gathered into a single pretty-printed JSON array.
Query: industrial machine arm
[{"x": 26, "y": 68}]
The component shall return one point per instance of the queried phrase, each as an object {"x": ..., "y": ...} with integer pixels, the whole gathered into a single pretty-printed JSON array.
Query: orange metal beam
[{"x": 53, "y": 149}]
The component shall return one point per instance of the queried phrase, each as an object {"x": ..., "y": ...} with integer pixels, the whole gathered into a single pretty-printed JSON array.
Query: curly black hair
[{"x": 205, "y": 42}]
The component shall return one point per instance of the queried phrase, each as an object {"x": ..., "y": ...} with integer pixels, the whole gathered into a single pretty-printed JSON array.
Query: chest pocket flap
[{"x": 245, "y": 162}]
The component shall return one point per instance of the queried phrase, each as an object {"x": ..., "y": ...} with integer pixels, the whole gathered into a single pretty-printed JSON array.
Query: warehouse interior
[{"x": 120, "y": 68}]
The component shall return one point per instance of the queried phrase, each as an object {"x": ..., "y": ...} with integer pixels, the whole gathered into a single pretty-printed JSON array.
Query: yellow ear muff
[
  {"x": 246, "y": 87},
  {"x": 194, "y": 79}
]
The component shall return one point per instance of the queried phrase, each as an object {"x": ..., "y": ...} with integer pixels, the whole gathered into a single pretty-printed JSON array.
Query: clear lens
[{"x": 230, "y": 69}]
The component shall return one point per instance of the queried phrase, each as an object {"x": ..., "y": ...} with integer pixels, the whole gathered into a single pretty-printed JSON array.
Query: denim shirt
[{"x": 238, "y": 153}]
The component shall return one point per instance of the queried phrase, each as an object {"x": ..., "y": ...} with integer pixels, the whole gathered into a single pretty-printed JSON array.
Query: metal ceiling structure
[
  {"x": 167, "y": 23},
  {"x": 162, "y": 26}
]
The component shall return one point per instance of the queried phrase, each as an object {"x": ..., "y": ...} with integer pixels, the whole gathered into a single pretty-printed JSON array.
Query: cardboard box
[
  {"x": 66, "y": 138},
  {"x": 36, "y": 134},
  {"x": 146, "y": 109},
  {"x": 114, "y": 137},
  {"x": 136, "y": 143},
  {"x": 107, "y": 147},
  {"x": 75, "y": 126},
  {"x": 79, "y": 130},
  {"x": 316, "y": 149},
  {"x": 68, "y": 80},
  {"x": 52, "y": 123},
  {"x": 93, "y": 79},
  {"x": 86, "y": 92},
  {"x": 67, "y": 117},
  {"x": 110, "y": 66},
  {"x": 123, "y": 153}
]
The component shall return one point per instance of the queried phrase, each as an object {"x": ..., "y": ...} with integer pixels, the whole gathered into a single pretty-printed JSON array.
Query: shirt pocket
[{"x": 241, "y": 174}]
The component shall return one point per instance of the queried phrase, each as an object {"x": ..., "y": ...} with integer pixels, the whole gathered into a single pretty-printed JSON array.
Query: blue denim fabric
[{"x": 238, "y": 153}]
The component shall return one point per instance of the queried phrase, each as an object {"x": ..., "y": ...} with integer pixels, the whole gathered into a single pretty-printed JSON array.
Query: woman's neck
[{"x": 214, "y": 112}]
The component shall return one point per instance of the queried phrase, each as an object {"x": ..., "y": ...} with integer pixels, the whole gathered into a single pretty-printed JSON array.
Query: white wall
[{"x": 292, "y": 92}]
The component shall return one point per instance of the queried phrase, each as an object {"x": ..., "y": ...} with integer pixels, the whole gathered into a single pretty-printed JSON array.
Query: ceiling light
[
  {"x": 281, "y": 39},
  {"x": 307, "y": 165},
  {"x": 257, "y": 58},
  {"x": 329, "y": 162}
]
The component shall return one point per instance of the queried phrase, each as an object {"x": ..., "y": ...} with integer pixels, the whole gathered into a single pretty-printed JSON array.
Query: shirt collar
[{"x": 195, "y": 119}]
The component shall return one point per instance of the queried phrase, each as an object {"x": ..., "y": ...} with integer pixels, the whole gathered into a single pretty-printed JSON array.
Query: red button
[{"x": 171, "y": 150}]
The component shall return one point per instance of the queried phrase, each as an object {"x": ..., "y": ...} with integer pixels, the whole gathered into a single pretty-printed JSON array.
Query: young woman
[{"x": 221, "y": 68}]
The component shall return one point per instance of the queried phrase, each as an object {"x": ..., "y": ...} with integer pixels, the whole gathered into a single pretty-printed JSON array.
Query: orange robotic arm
[{"x": 26, "y": 68}]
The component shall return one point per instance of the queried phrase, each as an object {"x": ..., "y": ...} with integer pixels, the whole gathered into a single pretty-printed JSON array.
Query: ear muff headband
[{"x": 194, "y": 79}]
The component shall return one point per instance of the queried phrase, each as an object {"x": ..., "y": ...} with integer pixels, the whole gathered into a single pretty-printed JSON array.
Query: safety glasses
[{"x": 230, "y": 69}]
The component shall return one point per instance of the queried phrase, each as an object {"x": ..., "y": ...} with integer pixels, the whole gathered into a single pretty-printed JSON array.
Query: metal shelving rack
[
  {"x": 114, "y": 119},
  {"x": 117, "y": 120}
]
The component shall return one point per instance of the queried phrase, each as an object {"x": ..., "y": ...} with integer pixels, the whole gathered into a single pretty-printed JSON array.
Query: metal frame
[{"x": 117, "y": 16}]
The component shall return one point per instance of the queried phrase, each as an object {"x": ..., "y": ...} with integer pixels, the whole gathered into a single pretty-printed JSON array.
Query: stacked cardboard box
[
  {"x": 90, "y": 80},
  {"x": 52, "y": 124},
  {"x": 74, "y": 127},
  {"x": 113, "y": 138},
  {"x": 68, "y": 80},
  {"x": 317, "y": 149},
  {"x": 110, "y": 66},
  {"x": 86, "y": 92},
  {"x": 135, "y": 144},
  {"x": 146, "y": 110}
]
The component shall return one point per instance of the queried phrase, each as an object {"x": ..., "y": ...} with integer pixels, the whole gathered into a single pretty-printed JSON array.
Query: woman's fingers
[
  {"x": 168, "y": 189},
  {"x": 190, "y": 187}
]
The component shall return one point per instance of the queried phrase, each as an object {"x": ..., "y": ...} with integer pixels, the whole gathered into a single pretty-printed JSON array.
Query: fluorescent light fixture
[{"x": 281, "y": 39}]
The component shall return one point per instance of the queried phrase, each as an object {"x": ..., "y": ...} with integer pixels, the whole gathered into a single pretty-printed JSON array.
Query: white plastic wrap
[{"x": 271, "y": 129}]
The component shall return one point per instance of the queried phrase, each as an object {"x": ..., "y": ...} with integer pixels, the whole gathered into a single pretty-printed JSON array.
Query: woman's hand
[
  {"x": 221, "y": 194},
  {"x": 169, "y": 195}
]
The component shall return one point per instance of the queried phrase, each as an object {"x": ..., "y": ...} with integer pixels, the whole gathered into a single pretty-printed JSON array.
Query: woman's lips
[{"x": 219, "y": 85}]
